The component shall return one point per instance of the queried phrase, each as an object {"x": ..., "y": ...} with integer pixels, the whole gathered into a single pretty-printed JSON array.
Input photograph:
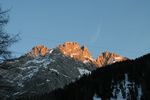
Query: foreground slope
[{"x": 128, "y": 80}]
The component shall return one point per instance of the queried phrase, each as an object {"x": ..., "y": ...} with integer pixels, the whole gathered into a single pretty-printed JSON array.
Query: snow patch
[
  {"x": 95, "y": 97},
  {"x": 126, "y": 86},
  {"x": 117, "y": 91},
  {"x": 47, "y": 80},
  {"x": 65, "y": 75},
  {"x": 20, "y": 84},
  {"x": 85, "y": 61},
  {"x": 54, "y": 70},
  {"x": 16, "y": 93},
  {"x": 34, "y": 69},
  {"x": 84, "y": 71},
  {"x": 41, "y": 63},
  {"x": 127, "y": 83},
  {"x": 139, "y": 93},
  {"x": 50, "y": 51},
  {"x": 35, "y": 61},
  {"x": 45, "y": 64},
  {"x": 31, "y": 68}
]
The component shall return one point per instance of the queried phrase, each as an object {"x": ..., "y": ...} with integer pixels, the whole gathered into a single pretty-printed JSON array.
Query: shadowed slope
[{"x": 127, "y": 80}]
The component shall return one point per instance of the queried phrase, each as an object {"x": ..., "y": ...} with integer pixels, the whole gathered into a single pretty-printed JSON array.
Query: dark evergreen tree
[{"x": 6, "y": 40}]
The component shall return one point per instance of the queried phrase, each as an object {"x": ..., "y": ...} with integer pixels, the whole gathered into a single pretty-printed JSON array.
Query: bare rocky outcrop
[
  {"x": 39, "y": 50},
  {"x": 73, "y": 50},
  {"x": 39, "y": 71},
  {"x": 107, "y": 58},
  {"x": 79, "y": 53}
]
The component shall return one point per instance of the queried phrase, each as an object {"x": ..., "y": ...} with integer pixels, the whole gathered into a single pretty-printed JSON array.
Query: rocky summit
[
  {"x": 107, "y": 58},
  {"x": 73, "y": 50},
  {"x": 39, "y": 50}
]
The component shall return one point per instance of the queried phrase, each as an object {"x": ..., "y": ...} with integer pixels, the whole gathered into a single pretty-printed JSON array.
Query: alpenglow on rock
[
  {"x": 72, "y": 49},
  {"x": 107, "y": 58},
  {"x": 39, "y": 50}
]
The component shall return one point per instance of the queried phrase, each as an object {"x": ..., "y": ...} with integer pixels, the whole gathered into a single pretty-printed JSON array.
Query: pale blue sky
[{"x": 121, "y": 26}]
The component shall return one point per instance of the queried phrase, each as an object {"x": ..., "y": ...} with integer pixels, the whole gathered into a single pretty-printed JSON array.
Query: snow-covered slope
[{"x": 123, "y": 90}]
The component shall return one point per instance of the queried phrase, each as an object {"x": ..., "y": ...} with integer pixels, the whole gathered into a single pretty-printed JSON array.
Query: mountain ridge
[
  {"x": 39, "y": 71},
  {"x": 43, "y": 70},
  {"x": 80, "y": 53}
]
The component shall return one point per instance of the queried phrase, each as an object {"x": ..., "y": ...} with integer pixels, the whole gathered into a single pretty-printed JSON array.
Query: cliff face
[
  {"x": 107, "y": 58},
  {"x": 73, "y": 50},
  {"x": 82, "y": 54},
  {"x": 39, "y": 50},
  {"x": 39, "y": 71}
]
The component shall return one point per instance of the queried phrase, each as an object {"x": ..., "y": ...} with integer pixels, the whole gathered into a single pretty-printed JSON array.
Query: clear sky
[{"x": 121, "y": 26}]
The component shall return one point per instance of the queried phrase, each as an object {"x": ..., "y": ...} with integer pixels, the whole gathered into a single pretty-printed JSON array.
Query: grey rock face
[
  {"x": 29, "y": 75},
  {"x": 107, "y": 58}
]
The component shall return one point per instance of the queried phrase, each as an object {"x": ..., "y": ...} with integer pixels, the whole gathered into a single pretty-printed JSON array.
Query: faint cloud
[{"x": 95, "y": 37}]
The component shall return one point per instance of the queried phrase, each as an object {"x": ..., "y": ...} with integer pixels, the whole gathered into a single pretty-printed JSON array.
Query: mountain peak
[
  {"x": 39, "y": 50},
  {"x": 73, "y": 50},
  {"x": 79, "y": 53},
  {"x": 108, "y": 58}
]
